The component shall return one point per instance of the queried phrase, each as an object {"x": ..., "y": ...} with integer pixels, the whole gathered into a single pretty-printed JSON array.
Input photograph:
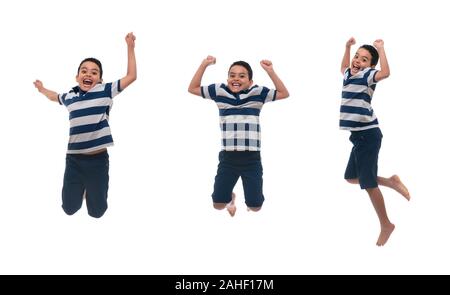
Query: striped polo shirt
[
  {"x": 239, "y": 115},
  {"x": 88, "y": 115},
  {"x": 356, "y": 110}
]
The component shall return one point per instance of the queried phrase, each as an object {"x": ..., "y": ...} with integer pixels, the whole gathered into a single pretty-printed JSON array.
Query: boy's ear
[{"x": 251, "y": 83}]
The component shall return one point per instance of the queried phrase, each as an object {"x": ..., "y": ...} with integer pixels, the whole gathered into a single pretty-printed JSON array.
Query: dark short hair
[
  {"x": 94, "y": 60},
  {"x": 245, "y": 65},
  {"x": 373, "y": 51}
]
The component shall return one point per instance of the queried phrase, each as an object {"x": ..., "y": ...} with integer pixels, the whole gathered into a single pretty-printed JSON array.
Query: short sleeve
[
  {"x": 61, "y": 98},
  {"x": 270, "y": 94},
  {"x": 115, "y": 88},
  {"x": 210, "y": 91},
  {"x": 371, "y": 77}
]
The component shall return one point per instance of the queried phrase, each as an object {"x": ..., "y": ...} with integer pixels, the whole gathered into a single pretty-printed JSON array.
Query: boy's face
[
  {"x": 238, "y": 79},
  {"x": 360, "y": 61},
  {"x": 88, "y": 76}
]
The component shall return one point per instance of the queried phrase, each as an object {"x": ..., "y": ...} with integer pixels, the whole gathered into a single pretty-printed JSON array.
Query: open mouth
[
  {"x": 87, "y": 82},
  {"x": 356, "y": 68}
]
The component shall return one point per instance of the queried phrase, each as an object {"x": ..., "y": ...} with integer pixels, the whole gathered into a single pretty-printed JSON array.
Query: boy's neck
[
  {"x": 77, "y": 89},
  {"x": 241, "y": 91}
]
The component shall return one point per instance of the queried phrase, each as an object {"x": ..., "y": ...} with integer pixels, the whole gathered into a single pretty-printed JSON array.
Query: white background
[{"x": 160, "y": 218}]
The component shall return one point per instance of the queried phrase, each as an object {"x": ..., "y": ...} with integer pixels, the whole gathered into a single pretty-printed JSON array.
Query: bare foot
[
  {"x": 399, "y": 186},
  {"x": 385, "y": 233},
  {"x": 231, "y": 207}
]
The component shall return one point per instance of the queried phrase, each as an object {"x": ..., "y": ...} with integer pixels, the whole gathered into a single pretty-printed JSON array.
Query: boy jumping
[{"x": 357, "y": 116}]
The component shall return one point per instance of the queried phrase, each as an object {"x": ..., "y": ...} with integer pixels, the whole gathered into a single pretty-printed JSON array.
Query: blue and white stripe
[
  {"x": 239, "y": 115},
  {"x": 356, "y": 109},
  {"x": 89, "y": 115}
]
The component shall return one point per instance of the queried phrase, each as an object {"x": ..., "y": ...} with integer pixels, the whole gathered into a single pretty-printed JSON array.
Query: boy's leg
[
  {"x": 396, "y": 184},
  {"x": 362, "y": 167},
  {"x": 351, "y": 171},
  {"x": 252, "y": 180},
  {"x": 225, "y": 180},
  {"x": 392, "y": 182},
  {"x": 97, "y": 183},
  {"x": 73, "y": 187},
  {"x": 386, "y": 226},
  {"x": 367, "y": 145}
]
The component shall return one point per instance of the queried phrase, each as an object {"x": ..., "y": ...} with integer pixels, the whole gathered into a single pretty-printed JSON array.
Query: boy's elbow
[
  {"x": 385, "y": 75},
  {"x": 283, "y": 95},
  {"x": 193, "y": 90},
  {"x": 130, "y": 78},
  {"x": 53, "y": 98}
]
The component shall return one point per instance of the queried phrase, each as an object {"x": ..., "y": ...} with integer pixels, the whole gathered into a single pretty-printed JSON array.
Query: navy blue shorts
[
  {"x": 233, "y": 165},
  {"x": 363, "y": 162},
  {"x": 86, "y": 173}
]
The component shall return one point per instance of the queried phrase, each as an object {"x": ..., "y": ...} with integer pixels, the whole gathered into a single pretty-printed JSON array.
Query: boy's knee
[
  {"x": 254, "y": 205},
  {"x": 353, "y": 180},
  {"x": 371, "y": 190},
  {"x": 254, "y": 209},
  {"x": 219, "y": 206}
]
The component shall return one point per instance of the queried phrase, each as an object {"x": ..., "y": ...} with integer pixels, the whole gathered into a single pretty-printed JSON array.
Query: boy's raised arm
[
  {"x": 384, "y": 71},
  {"x": 346, "y": 58},
  {"x": 196, "y": 81},
  {"x": 131, "y": 68},
  {"x": 52, "y": 95},
  {"x": 282, "y": 91}
]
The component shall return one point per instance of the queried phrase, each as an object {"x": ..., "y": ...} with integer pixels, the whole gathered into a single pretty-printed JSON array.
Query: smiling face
[
  {"x": 360, "y": 61},
  {"x": 88, "y": 75},
  {"x": 238, "y": 79}
]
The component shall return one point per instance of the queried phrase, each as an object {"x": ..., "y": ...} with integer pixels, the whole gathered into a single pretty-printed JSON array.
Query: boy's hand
[
  {"x": 52, "y": 95},
  {"x": 209, "y": 60},
  {"x": 129, "y": 38},
  {"x": 195, "y": 85},
  {"x": 379, "y": 43},
  {"x": 266, "y": 65},
  {"x": 38, "y": 84},
  {"x": 350, "y": 42}
]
